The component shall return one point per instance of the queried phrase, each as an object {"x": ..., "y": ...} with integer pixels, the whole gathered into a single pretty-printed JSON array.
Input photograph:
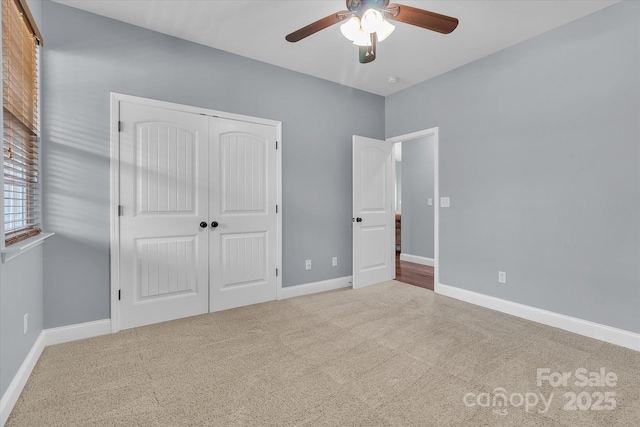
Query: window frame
[{"x": 10, "y": 251}]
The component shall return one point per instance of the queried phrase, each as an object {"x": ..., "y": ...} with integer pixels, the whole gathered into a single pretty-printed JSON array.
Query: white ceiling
[{"x": 256, "y": 29}]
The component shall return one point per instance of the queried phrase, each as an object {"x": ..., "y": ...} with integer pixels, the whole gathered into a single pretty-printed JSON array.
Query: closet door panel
[
  {"x": 164, "y": 252},
  {"x": 242, "y": 202}
]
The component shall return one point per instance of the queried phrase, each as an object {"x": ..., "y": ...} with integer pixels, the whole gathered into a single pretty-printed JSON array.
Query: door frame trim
[
  {"x": 114, "y": 223},
  {"x": 434, "y": 131}
]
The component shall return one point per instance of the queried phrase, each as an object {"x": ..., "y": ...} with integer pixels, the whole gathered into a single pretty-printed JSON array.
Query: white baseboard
[
  {"x": 572, "y": 324},
  {"x": 77, "y": 332},
  {"x": 417, "y": 259},
  {"x": 313, "y": 288},
  {"x": 12, "y": 394},
  {"x": 46, "y": 338}
]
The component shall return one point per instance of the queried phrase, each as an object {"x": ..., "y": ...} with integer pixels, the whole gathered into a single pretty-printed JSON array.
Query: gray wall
[
  {"x": 87, "y": 56},
  {"x": 417, "y": 187},
  {"x": 539, "y": 152},
  {"x": 20, "y": 293}
]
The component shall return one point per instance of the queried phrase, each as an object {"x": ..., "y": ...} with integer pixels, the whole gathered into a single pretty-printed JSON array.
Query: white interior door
[
  {"x": 243, "y": 204},
  {"x": 373, "y": 213},
  {"x": 164, "y": 254}
]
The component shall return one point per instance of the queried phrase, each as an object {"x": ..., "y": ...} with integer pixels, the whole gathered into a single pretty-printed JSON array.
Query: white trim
[
  {"x": 394, "y": 175},
  {"x": 435, "y": 132},
  {"x": 114, "y": 226},
  {"x": 416, "y": 259},
  {"x": 116, "y": 99},
  {"x": 315, "y": 287},
  {"x": 436, "y": 209},
  {"x": 23, "y": 246},
  {"x": 46, "y": 338},
  {"x": 10, "y": 397},
  {"x": 572, "y": 324},
  {"x": 76, "y": 332},
  {"x": 413, "y": 135},
  {"x": 279, "y": 214},
  {"x": 119, "y": 97}
]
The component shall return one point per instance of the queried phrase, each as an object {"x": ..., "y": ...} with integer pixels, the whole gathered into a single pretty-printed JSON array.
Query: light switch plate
[
  {"x": 429, "y": 201},
  {"x": 445, "y": 202}
]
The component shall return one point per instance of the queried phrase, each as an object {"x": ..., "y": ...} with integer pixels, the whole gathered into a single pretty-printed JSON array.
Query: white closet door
[
  {"x": 243, "y": 205},
  {"x": 164, "y": 253}
]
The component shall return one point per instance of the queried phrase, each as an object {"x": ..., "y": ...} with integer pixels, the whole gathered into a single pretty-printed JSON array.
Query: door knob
[
  {"x": 214, "y": 224},
  {"x": 203, "y": 224},
  {"x": 358, "y": 219}
]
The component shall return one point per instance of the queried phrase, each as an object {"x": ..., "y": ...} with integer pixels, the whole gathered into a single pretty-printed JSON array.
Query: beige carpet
[{"x": 388, "y": 355}]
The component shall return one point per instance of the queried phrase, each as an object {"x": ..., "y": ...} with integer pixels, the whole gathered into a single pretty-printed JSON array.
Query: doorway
[
  {"x": 197, "y": 226},
  {"x": 416, "y": 184}
]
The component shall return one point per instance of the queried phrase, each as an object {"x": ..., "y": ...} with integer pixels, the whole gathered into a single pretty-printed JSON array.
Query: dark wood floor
[{"x": 414, "y": 274}]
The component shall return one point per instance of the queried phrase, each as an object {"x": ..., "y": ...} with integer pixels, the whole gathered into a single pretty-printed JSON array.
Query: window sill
[{"x": 23, "y": 246}]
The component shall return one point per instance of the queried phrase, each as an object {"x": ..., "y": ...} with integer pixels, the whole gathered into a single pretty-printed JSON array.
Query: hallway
[{"x": 414, "y": 274}]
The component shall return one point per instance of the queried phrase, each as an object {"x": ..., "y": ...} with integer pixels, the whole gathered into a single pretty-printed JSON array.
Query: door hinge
[
  {"x": 119, "y": 126},
  {"x": 276, "y": 208},
  {"x": 118, "y": 294},
  {"x": 276, "y": 145},
  {"x": 276, "y": 272},
  {"x": 120, "y": 210}
]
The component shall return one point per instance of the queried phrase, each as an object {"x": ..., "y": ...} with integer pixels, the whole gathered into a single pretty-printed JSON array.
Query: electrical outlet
[
  {"x": 307, "y": 264},
  {"x": 502, "y": 277},
  {"x": 26, "y": 322},
  {"x": 334, "y": 261},
  {"x": 445, "y": 202}
]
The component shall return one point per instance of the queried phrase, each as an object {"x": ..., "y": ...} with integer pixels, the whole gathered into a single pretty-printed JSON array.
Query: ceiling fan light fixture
[
  {"x": 371, "y": 21},
  {"x": 351, "y": 28},
  {"x": 385, "y": 30},
  {"x": 362, "y": 39},
  {"x": 364, "y": 24}
]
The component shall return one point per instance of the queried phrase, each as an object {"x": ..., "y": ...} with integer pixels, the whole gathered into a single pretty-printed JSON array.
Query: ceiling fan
[{"x": 365, "y": 24}]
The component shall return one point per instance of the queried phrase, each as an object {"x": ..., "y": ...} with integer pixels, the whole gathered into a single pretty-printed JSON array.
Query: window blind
[{"x": 20, "y": 39}]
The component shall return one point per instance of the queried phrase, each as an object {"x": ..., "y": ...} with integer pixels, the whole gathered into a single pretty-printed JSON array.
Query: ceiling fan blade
[
  {"x": 320, "y": 24},
  {"x": 368, "y": 53},
  {"x": 421, "y": 18}
]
